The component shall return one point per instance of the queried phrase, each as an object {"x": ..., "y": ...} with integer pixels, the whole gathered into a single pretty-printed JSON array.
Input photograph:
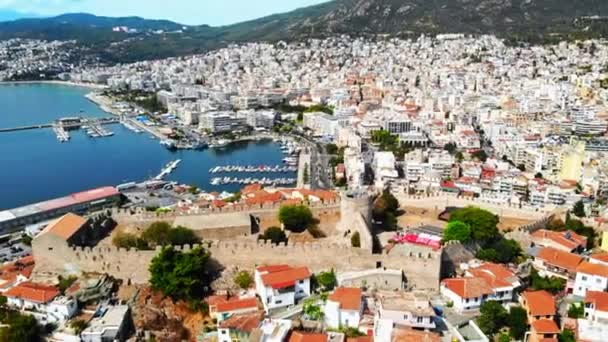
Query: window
[
  {"x": 419, "y": 319},
  {"x": 584, "y": 278},
  {"x": 467, "y": 300},
  {"x": 278, "y": 302},
  {"x": 301, "y": 282}
]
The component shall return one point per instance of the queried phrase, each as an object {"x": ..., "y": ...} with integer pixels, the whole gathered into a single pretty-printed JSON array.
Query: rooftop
[
  {"x": 349, "y": 298},
  {"x": 65, "y": 226},
  {"x": 540, "y": 303},
  {"x": 285, "y": 278},
  {"x": 469, "y": 287},
  {"x": 565, "y": 260},
  {"x": 33, "y": 292}
]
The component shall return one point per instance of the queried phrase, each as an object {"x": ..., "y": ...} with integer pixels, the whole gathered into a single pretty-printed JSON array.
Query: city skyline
[{"x": 188, "y": 12}]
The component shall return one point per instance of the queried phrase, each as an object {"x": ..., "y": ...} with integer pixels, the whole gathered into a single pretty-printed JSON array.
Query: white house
[
  {"x": 281, "y": 285},
  {"x": 42, "y": 301},
  {"x": 596, "y": 306},
  {"x": 590, "y": 277},
  {"x": 405, "y": 309},
  {"x": 113, "y": 325},
  {"x": 343, "y": 308},
  {"x": 500, "y": 279},
  {"x": 466, "y": 293}
]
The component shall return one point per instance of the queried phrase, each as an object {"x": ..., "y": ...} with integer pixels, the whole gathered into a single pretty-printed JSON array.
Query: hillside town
[{"x": 449, "y": 188}]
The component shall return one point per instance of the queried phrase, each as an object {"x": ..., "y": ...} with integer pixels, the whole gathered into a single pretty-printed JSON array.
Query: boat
[
  {"x": 169, "y": 145},
  {"x": 220, "y": 143}
]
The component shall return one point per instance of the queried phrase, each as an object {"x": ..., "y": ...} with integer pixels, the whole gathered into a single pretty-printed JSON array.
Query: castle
[{"x": 56, "y": 254}]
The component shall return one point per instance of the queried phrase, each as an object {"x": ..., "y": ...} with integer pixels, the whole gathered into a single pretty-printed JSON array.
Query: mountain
[
  {"x": 528, "y": 20},
  {"x": 403, "y": 17}
]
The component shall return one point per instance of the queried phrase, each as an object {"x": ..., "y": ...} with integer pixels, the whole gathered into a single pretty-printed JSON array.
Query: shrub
[
  {"x": 274, "y": 234},
  {"x": 243, "y": 279}
]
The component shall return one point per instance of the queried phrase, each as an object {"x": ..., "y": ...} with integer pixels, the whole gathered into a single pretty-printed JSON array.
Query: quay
[
  {"x": 167, "y": 170},
  {"x": 101, "y": 121},
  {"x": 253, "y": 169}
]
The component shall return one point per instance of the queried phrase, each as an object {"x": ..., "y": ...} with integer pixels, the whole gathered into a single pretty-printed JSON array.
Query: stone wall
[{"x": 421, "y": 266}]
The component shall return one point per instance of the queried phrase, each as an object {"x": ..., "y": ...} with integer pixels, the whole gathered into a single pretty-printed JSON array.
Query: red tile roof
[
  {"x": 23, "y": 266},
  {"x": 32, "y": 292},
  {"x": 545, "y": 326},
  {"x": 273, "y": 268},
  {"x": 559, "y": 258},
  {"x": 593, "y": 269},
  {"x": 285, "y": 278},
  {"x": 234, "y": 304},
  {"x": 348, "y": 297},
  {"x": 496, "y": 276},
  {"x": 65, "y": 226},
  {"x": 540, "y": 303},
  {"x": 470, "y": 287},
  {"x": 599, "y": 299},
  {"x": 568, "y": 239},
  {"x": 603, "y": 257},
  {"x": 246, "y": 323},
  {"x": 297, "y": 336}
]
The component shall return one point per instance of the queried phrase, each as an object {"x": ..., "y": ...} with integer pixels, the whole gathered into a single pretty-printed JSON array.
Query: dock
[
  {"x": 62, "y": 134},
  {"x": 253, "y": 169},
  {"x": 61, "y": 127},
  {"x": 168, "y": 169}
]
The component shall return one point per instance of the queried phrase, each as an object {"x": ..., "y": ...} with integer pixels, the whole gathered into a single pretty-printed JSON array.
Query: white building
[
  {"x": 42, "y": 301},
  {"x": 465, "y": 293},
  {"x": 113, "y": 325},
  {"x": 281, "y": 286},
  {"x": 384, "y": 167},
  {"x": 405, "y": 309},
  {"x": 590, "y": 277},
  {"x": 343, "y": 308}
]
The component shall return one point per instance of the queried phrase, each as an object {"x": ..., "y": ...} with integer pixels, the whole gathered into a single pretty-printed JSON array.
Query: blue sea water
[{"x": 34, "y": 166}]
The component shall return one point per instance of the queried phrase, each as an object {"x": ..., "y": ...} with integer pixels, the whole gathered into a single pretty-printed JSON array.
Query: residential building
[
  {"x": 280, "y": 286},
  {"x": 41, "y": 301},
  {"x": 544, "y": 330},
  {"x": 343, "y": 308},
  {"x": 501, "y": 280},
  {"x": 466, "y": 293},
  {"x": 567, "y": 241},
  {"x": 596, "y": 306},
  {"x": 555, "y": 263},
  {"x": 538, "y": 305},
  {"x": 114, "y": 324},
  {"x": 590, "y": 277},
  {"x": 405, "y": 309},
  {"x": 222, "y": 307}
]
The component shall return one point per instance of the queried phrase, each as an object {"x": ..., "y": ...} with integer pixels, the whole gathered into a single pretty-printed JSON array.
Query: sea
[{"x": 35, "y": 166}]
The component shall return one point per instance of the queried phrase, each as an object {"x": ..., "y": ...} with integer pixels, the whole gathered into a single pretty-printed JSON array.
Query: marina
[
  {"x": 246, "y": 181},
  {"x": 62, "y": 134},
  {"x": 253, "y": 169}
]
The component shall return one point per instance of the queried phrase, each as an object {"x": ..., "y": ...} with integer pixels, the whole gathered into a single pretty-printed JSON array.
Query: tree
[
  {"x": 517, "y": 322},
  {"x": 576, "y": 310},
  {"x": 179, "y": 236},
  {"x": 128, "y": 240},
  {"x": 331, "y": 148},
  {"x": 483, "y": 224},
  {"x": 538, "y": 175},
  {"x": 459, "y": 157},
  {"x": 385, "y": 210},
  {"x": 481, "y": 155},
  {"x": 579, "y": 209},
  {"x": 295, "y": 218},
  {"x": 355, "y": 240},
  {"x": 521, "y": 167},
  {"x": 180, "y": 275},
  {"x": 243, "y": 279},
  {"x": 312, "y": 310},
  {"x": 457, "y": 231},
  {"x": 451, "y": 148},
  {"x": 22, "y": 328},
  {"x": 550, "y": 284},
  {"x": 275, "y": 234},
  {"x": 566, "y": 336},
  {"x": 327, "y": 280},
  {"x": 157, "y": 234},
  {"x": 502, "y": 251},
  {"x": 492, "y": 317}
]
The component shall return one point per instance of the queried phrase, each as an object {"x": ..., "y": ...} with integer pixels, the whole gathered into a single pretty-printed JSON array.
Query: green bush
[
  {"x": 275, "y": 234},
  {"x": 243, "y": 279},
  {"x": 457, "y": 231},
  {"x": 296, "y": 218}
]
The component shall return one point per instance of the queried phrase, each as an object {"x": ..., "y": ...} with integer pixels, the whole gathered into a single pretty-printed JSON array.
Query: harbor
[{"x": 253, "y": 169}]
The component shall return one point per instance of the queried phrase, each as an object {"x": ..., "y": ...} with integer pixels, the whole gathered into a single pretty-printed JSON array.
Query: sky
[{"x": 191, "y": 12}]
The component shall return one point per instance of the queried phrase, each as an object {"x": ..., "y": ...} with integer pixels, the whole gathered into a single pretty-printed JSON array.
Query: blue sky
[{"x": 194, "y": 12}]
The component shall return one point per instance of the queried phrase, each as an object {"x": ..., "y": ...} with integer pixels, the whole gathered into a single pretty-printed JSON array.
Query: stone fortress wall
[{"x": 421, "y": 266}]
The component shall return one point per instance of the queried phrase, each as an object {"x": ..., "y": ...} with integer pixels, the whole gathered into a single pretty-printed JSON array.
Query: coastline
[{"x": 57, "y": 82}]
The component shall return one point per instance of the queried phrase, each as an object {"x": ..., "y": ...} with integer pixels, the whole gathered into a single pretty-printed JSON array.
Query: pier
[
  {"x": 168, "y": 169},
  {"x": 253, "y": 169},
  {"x": 62, "y": 126}
]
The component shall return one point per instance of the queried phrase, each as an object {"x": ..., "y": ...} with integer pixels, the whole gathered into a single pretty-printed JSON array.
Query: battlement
[{"x": 142, "y": 213}]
